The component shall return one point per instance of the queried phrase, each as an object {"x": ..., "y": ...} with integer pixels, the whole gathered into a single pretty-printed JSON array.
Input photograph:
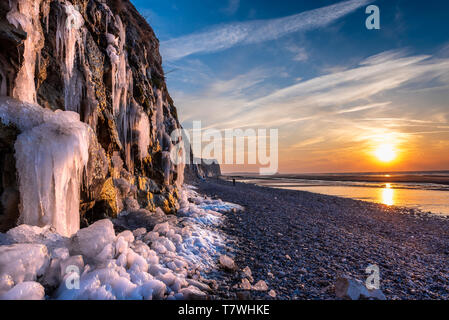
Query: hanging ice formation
[
  {"x": 25, "y": 14},
  {"x": 132, "y": 121},
  {"x": 51, "y": 153},
  {"x": 53, "y": 148},
  {"x": 70, "y": 44},
  {"x": 68, "y": 36}
]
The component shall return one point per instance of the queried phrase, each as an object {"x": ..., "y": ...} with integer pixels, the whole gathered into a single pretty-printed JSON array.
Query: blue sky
[{"x": 334, "y": 89}]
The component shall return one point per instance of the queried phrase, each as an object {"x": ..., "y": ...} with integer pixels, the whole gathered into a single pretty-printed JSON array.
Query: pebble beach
[{"x": 299, "y": 243}]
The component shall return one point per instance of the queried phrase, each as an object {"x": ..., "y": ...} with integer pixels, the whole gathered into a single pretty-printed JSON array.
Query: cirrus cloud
[{"x": 227, "y": 36}]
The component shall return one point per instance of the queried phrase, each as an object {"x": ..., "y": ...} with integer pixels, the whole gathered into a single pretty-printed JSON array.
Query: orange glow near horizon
[{"x": 381, "y": 151}]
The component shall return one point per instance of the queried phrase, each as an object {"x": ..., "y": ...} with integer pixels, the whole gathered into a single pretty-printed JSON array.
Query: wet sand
[
  {"x": 442, "y": 179},
  {"x": 300, "y": 242}
]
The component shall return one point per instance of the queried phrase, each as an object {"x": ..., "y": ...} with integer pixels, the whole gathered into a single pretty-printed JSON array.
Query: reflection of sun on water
[{"x": 388, "y": 195}]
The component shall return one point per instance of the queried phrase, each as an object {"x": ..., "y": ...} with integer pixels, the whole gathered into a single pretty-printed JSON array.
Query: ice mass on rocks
[{"x": 87, "y": 184}]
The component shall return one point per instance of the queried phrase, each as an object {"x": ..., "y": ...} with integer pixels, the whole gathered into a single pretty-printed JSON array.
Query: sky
[{"x": 337, "y": 92}]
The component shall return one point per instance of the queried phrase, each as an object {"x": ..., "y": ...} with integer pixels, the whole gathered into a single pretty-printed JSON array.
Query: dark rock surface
[
  {"x": 201, "y": 169},
  {"x": 209, "y": 168}
]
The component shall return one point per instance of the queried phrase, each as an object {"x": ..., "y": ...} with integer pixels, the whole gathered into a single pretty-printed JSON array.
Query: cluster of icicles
[{"x": 52, "y": 149}]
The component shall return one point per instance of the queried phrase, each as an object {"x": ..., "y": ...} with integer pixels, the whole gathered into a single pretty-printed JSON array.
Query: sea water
[{"x": 425, "y": 196}]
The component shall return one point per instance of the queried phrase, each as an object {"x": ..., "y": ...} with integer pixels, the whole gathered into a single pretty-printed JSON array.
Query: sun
[{"x": 385, "y": 153}]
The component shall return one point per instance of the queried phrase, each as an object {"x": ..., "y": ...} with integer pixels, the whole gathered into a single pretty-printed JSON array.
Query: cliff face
[
  {"x": 99, "y": 59},
  {"x": 207, "y": 168}
]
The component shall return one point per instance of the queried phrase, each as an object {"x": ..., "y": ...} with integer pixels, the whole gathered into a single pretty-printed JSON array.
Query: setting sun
[{"x": 386, "y": 153}]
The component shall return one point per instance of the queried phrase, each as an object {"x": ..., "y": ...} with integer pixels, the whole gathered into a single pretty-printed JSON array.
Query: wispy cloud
[
  {"x": 344, "y": 113},
  {"x": 308, "y": 142},
  {"x": 365, "y": 107},
  {"x": 373, "y": 76},
  {"x": 226, "y": 36},
  {"x": 299, "y": 53},
  {"x": 233, "y": 6},
  {"x": 340, "y": 94}
]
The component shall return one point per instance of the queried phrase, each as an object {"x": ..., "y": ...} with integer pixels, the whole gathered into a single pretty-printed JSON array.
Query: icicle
[
  {"x": 139, "y": 129},
  {"x": 135, "y": 126},
  {"x": 90, "y": 112},
  {"x": 166, "y": 164},
  {"x": 109, "y": 14},
  {"x": 3, "y": 84},
  {"x": 143, "y": 129},
  {"x": 25, "y": 13},
  {"x": 180, "y": 178},
  {"x": 159, "y": 117},
  {"x": 46, "y": 12},
  {"x": 51, "y": 154},
  {"x": 68, "y": 35},
  {"x": 162, "y": 136},
  {"x": 129, "y": 115},
  {"x": 120, "y": 74}
]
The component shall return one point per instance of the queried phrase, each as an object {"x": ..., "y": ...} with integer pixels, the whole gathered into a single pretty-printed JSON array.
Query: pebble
[
  {"x": 260, "y": 286},
  {"x": 319, "y": 229},
  {"x": 227, "y": 263}
]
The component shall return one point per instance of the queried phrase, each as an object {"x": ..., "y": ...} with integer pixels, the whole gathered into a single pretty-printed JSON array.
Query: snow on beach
[
  {"x": 155, "y": 255},
  {"x": 168, "y": 262}
]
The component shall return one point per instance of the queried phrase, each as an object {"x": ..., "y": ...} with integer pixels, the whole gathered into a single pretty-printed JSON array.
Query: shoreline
[
  {"x": 430, "y": 179},
  {"x": 299, "y": 242}
]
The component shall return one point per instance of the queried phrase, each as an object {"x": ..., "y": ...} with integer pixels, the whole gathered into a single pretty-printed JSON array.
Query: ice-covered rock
[
  {"x": 6, "y": 283},
  {"x": 60, "y": 253},
  {"x": 26, "y": 14},
  {"x": 151, "y": 236},
  {"x": 121, "y": 245},
  {"x": 91, "y": 241},
  {"x": 67, "y": 264},
  {"x": 136, "y": 262},
  {"x": 124, "y": 266},
  {"x": 24, "y": 261},
  {"x": 25, "y": 233},
  {"x": 127, "y": 235},
  {"x": 28, "y": 290},
  {"x": 51, "y": 153},
  {"x": 46, "y": 235},
  {"x": 162, "y": 228},
  {"x": 139, "y": 233},
  {"x": 73, "y": 72},
  {"x": 152, "y": 290}
]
